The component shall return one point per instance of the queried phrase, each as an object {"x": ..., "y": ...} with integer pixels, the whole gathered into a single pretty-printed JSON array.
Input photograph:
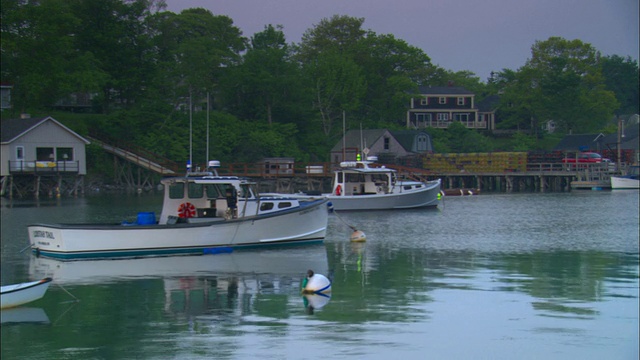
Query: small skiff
[{"x": 19, "y": 294}]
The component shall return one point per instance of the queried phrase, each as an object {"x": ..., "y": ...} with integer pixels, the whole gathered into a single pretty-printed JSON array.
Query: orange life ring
[
  {"x": 338, "y": 190},
  {"x": 186, "y": 210}
]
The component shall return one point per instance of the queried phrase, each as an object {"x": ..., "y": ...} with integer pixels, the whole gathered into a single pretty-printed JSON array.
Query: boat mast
[
  {"x": 207, "y": 129},
  {"x": 361, "y": 146},
  {"x": 190, "y": 134},
  {"x": 344, "y": 140}
]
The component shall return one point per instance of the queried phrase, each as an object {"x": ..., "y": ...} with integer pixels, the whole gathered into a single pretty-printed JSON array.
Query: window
[
  {"x": 19, "y": 152},
  {"x": 64, "y": 154},
  {"x": 283, "y": 205},
  {"x": 460, "y": 101},
  {"x": 442, "y": 100},
  {"x": 44, "y": 154},
  {"x": 422, "y": 143},
  {"x": 424, "y": 101},
  {"x": 212, "y": 191},
  {"x": 176, "y": 191},
  {"x": 423, "y": 117},
  {"x": 443, "y": 116},
  {"x": 266, "y": 206},
  {"x": 195, "y": 190},
  {"x": 461, "y": 117},
  {"x": 386, "y": 143}
]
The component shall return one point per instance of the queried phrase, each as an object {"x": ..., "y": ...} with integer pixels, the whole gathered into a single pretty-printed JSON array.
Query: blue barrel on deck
[{"x": 146, "y": 218}]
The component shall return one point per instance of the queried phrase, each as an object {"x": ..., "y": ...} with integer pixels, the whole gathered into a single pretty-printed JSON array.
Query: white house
[{"x": 41, "y": 146}]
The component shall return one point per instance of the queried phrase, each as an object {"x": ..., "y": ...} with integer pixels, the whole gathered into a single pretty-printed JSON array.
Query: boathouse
[
  {"x": 387, "y": 145},
  {"x": 41, "y": 155}
]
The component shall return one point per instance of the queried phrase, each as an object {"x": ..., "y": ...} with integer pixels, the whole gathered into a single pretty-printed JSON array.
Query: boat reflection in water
[
  {"x": 190, "y": 282},
  {"x": 24, "y": 315}
]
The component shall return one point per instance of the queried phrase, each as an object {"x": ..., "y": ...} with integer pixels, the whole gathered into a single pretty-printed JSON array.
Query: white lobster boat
[
  {"x": 201, "y": 213},
  {"x": 359, "y": 186},
  {"x": 630, "y": 180}
]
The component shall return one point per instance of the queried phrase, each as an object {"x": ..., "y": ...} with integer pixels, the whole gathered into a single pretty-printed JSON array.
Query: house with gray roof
[
  {"x": 385, "y": 144},
  {"x": 439, "y": 107},
  {"x": 40, "y": 146}
]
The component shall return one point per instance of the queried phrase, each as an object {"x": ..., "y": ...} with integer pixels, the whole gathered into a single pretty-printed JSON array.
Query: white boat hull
[
  {"x": 305, "y": 224},
  {"x": 620, "y": 182},
  {"x": 398, "y": 199},
  {"x": 23, "y": 293}
]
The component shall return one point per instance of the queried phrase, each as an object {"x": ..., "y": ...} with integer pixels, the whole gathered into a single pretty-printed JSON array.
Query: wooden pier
[{"x": 543, "y": 177}]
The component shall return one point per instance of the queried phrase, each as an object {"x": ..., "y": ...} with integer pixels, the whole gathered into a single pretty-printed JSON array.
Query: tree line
[{"x": 161, "y": 79}]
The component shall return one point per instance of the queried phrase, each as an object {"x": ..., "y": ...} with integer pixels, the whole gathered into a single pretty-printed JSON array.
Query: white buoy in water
[
  {"x": 358, "y": 236},
  {"x": 316, "y": 284}
]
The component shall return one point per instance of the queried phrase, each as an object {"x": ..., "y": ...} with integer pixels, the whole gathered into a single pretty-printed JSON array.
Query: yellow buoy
[{"x": 358, "y": 236}]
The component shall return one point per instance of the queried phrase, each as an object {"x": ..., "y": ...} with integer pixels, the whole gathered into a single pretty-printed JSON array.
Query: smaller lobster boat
[{"x": 363, "y": 185}]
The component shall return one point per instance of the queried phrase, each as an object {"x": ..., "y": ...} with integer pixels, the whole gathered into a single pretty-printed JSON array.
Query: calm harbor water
[{"x": 495, "y": 276}]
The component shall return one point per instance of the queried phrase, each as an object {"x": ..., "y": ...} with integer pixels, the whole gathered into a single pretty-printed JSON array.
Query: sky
[{"x": 475, "y": 35}]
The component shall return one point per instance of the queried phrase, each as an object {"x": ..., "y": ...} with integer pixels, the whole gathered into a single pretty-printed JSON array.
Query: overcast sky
[{"x": 476, "y": 35}]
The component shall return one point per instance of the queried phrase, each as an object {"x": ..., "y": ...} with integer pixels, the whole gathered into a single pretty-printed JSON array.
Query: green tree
[
  {"x": 391, "y": 69},
  {"x": 40, "y": 54},
  {"x": 334, "y": 78},
  {"x": 115, "y": 33},
  {"x": 194, "y": 49},
  {"x": 266, "y": 85},
  {"x": 463, "y": 140},
  {"x": 621, "y": 77},
  {"x": 338, "y": 86},
  {"x": 563, "y": 82},
  {"x": 340, "y": 34}
]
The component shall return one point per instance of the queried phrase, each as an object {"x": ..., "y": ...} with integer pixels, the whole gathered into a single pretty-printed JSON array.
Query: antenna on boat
[
  {"x": 344, "y": 135},
  {"x": 190, "y": 133},
  {"x": 361, "y": 144},
  {"x": 207, "y": 127}
]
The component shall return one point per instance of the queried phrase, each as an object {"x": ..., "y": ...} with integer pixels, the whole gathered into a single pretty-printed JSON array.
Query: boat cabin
[
  {"x": 198, "y": 198},
  {"x": 358, "y": 178}
]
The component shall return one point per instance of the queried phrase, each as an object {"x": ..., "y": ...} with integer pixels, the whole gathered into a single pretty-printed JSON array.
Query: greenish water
[{"x": 497, "y": 276}]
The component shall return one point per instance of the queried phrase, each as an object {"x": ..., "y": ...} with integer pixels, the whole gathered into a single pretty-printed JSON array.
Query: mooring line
[
  {"x": 351, "y": 226},
  {"x": 21, "y": 251},
  {"x": 70, "y": 294}
]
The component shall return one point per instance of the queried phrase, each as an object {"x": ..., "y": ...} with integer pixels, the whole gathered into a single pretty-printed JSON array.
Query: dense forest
[{"x": 161, "y": 80}]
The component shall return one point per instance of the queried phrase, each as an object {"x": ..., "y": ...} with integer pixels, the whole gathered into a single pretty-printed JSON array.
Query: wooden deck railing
[{"x": 44, "y": 167}]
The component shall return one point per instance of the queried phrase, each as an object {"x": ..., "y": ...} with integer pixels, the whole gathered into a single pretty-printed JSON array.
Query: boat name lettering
[
  {"x": 43, "y": 234},
  {"x": 44, "y": 243}
]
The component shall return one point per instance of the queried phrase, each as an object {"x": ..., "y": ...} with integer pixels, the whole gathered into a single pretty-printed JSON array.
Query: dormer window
[
  {"x": 424, "y": 101},
  {"x": 442, "y": 100},
  {"x": 460, "y": 101}
]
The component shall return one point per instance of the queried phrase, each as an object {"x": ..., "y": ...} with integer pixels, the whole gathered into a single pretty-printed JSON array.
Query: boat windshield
[
  {"x": 353, "y": 177},
  {"x": 380, "y": 178},
  {"x": 248, "y": 191}
]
